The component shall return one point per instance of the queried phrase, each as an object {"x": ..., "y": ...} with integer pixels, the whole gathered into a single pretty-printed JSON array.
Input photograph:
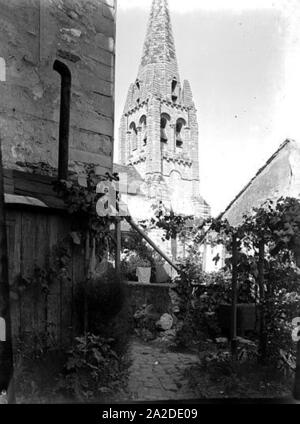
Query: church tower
[{"x": 159, "y": 129}]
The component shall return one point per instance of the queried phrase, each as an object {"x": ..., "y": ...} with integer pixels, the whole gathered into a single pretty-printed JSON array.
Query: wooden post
[
  {"x": 118, "y": 245},
  {"x": 87, "y": 273},
  {"x": 297, "y": 374},
  {"x": 6, "y": 349},
  {"x": 261, "y": 280},
  {"x": 234, "y": 297}
]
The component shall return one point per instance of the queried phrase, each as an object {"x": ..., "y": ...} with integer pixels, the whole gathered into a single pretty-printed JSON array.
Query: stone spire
[
  {"x": 158, "y": 67},
  {"x": 159, "y": 46}
]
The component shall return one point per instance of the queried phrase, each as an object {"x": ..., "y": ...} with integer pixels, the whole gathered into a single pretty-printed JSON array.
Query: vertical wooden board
[
  {"x": 10, "y": 226},
  {"x": 78, "y": 274},
  {"x": 67, "y": 293},
  {"x": 15, "y": 271},
  {"x": 59, "y": 228},
  {"x": 14, "y": 305},
  {"x": 53, "y": 315},
  {"x": 41, "y": 255},
  {"x": 27, "y": 269},
  {"x": 53, "y": 299},
  {"x": 41, "y": 240}
]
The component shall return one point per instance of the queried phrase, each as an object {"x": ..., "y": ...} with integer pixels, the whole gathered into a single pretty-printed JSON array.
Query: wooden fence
[{"x": 32, "y": 235}]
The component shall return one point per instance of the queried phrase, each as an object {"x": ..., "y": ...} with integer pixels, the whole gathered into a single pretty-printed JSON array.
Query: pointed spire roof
[{"x": 159, "y": 46}]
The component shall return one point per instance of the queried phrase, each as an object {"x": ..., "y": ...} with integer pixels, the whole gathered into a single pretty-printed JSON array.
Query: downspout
[{"x": 64, "y": 119}]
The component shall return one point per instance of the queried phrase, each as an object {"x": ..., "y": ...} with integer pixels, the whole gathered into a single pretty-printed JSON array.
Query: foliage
[
  {"x": 104, "y": 296},
  {"x": 220, "y": 376},
  {"x": 145, "y": 319},
  {"x": 172, "y": 224},
  {"x": 44, "y": 277},
  {"x": 197, "y": 297},
  {"x": 135, "y": 254},
  {"x": 143, "y": 263},
  {"x": 92, "y": 368},
  {"x": 276, "y": 227},
  {"x": 81, "y": 201}
]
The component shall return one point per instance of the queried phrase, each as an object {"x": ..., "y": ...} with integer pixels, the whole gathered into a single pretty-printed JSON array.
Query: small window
[
  {"x": 133, "y": 136},
  {"x": 143, "y": 124},
  {"x": 179, "y": 136},
  {"x": 137, "y": 90},
  {"x": 2, "y": 70},
  {"x": 163, "y": 127},
  {"x": 174, "y": 90}
]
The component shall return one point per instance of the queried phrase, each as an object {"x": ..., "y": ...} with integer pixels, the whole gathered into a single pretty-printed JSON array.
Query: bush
[
  {"x": 197, "y": 297},
  {"x": 92, "y": 369},
  {"x": 108, "y": 312},
  {"x": 104, "y": 299},
  {"x": 135, "y": 253}
]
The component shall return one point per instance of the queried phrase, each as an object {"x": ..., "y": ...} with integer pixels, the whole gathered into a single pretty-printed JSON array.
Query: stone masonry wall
[
  {"x": 33, "y": 34},
  {"x": 149, "y": 294}
]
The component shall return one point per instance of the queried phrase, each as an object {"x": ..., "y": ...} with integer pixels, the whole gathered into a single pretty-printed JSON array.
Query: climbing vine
[
  {"x": 266, "y": 243},
  {"x": 80, "y": 198}
]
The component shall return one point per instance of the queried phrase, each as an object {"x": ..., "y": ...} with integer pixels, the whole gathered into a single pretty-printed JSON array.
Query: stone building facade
[
  {"x": 79, "y": 35},
  {"x": 159, "y": 129}
]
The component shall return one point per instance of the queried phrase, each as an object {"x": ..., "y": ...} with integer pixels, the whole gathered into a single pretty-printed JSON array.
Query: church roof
[
  {"x": 279, "y": 177},
  {"x": 158, "y": 66},
  {"x": 134, "y": 179},
  {"x": 159, "y": 46}
]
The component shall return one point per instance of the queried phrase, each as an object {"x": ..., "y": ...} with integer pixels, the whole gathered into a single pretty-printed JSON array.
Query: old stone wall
[
  {"x": 80, "y": 34},
  {"x": 149, "y": 294}
]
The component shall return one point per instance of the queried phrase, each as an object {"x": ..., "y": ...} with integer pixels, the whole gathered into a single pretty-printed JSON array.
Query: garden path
[{"x": 157, "y": 374}]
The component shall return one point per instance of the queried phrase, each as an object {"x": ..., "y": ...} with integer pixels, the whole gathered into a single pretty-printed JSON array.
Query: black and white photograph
[{"x": 149, "y": 205}]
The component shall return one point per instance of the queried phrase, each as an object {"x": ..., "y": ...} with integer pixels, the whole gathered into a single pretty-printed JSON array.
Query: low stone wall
[{"x": 149, "y": 294}]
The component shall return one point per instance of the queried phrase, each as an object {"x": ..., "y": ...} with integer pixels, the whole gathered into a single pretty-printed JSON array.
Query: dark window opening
[
  {"x": 64, "y": 118},
  {"x": 179, "y": 138},
  {"x": 134, "y": 134},
  {"x": 163, "y": 126},
  {"x": 143, "y": 124},
  {"x": 174, "y": 90},
  {"x": 138, "y": 87}
]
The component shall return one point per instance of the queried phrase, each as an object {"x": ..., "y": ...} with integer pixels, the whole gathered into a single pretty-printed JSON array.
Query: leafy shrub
[
  {"x": 104, "y": 299},
  {"x": 197, "y": 297},
  {"x": 36, "y": 368},
  {"x": 92, "y": 368},
  {"x": 145, "y": 319},
  {"x": 136, "y": 253}
]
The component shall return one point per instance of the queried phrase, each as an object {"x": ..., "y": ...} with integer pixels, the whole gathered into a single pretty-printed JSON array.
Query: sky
[{"x": 242, "y": 58}]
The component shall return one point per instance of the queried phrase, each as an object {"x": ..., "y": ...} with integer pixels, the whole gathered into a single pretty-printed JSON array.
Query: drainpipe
[{"x": 64, "y": 120}]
